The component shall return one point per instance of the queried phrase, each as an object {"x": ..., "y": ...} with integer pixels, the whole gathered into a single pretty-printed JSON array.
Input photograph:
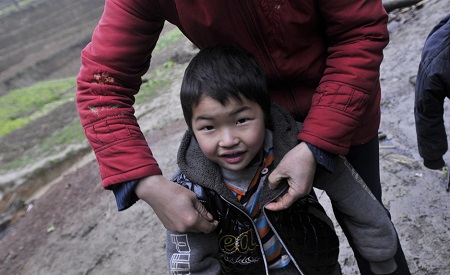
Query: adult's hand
[
  {"x": 176, "y": 207},
  {"x": 298, "y": 167}
]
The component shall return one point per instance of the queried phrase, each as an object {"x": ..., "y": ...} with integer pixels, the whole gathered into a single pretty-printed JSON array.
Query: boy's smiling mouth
[{"x": 233, "y": 157}]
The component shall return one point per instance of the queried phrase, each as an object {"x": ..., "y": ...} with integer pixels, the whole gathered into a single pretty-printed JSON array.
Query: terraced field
[{"x": 42, "y": 39}]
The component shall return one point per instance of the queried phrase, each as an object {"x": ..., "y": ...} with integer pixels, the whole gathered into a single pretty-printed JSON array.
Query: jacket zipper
[
  {"x": 255, "y": 229},
  {"x": 281, "y": 241},
  {"x": 276, "y": 233}
]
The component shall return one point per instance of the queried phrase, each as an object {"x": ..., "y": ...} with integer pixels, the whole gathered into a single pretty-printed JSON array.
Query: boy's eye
[
  {"x": 208, "y": 128},
  {"x": 242, "y": 120}
]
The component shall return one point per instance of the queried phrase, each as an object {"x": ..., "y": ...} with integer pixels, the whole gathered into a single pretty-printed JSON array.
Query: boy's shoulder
[
  {"x": 204, "y": 194},
  {"x": 180, "y": 178}
]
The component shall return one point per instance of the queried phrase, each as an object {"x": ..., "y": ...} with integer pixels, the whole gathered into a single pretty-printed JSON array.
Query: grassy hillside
[{"x": 40, "y": 125}]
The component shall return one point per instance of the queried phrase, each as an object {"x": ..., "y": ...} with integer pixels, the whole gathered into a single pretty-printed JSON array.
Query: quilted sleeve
[
  {"x": 110, "y": 75},
  {"x": 349, "y": 90}
]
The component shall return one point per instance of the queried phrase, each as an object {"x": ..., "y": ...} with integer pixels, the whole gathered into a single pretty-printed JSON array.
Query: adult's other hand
[
  {"x": 298, "y": 167},
  {"x": 176, "y": 207}
]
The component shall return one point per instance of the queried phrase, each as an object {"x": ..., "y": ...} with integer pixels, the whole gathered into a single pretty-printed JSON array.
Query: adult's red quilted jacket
[{"x": 321, "y": 59}]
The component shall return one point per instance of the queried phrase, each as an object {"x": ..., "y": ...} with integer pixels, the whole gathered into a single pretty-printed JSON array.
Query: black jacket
[{"x": 432, "y": 87}]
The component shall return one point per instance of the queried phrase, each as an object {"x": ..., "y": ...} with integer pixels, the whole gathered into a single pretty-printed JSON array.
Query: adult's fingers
[
  {"x": 282, "y": 203},
  {"x": 206, "y": 223}
]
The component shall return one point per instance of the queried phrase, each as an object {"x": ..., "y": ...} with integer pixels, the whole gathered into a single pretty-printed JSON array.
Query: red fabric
[{"x": 321, "y": 59}]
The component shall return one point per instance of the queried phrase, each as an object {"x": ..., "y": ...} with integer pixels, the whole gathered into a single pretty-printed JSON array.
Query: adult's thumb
[
  {"x": 203, "y": 212},
  {"x": 206, "y": 224}
]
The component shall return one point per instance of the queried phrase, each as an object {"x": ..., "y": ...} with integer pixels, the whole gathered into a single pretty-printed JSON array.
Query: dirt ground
[{"x": 74, "y": 227}]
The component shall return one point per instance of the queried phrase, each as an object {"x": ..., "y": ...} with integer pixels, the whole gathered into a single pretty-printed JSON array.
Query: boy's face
[{"x": 230, "y": 135}]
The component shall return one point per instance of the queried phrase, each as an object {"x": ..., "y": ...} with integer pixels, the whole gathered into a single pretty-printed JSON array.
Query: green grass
[
  {"x": 167, "y": 39},
  {"x": 54, "y": 144},
  {"x": 154, "y": 83},
  {"x": 21, "y": 106},
  {"x": 73, "y": 133},
  {"x": 15, "y": 7}
]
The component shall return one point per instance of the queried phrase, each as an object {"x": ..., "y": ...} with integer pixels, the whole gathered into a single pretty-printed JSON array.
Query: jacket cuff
[
  {"x": 125, "y": 195},
  {"x": 324, "y": 158},
  {"x": 434, "y": 164}
]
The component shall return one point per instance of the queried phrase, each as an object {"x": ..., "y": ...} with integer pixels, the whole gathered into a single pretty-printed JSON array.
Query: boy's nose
[{"x": 228, "y": 138}]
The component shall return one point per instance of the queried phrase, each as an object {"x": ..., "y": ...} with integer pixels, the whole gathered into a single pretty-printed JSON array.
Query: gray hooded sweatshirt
[{"x": 370, "y": 227}]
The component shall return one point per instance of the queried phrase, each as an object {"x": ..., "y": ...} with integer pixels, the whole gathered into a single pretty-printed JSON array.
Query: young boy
[{"x": 235, "y": 139}]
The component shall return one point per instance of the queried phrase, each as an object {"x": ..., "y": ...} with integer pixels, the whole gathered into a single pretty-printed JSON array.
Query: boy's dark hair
[{"x": 223, "y": 72}]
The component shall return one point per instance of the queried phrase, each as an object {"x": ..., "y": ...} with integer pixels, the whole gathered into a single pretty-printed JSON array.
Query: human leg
[
  {"x": 372, "y": 232},
  {"x": 365, "y": 160}
]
